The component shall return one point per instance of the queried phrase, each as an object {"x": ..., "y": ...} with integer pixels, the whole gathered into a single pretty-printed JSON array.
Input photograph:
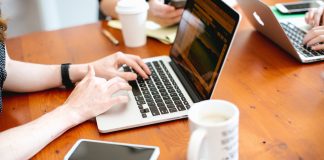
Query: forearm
[
  {"x": 29, "y": 77},
  {"x": 25, "y": 141},
  {"x": 108, "y": 8}
]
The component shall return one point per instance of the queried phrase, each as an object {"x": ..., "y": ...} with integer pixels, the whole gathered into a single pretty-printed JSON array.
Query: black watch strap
[{"x": 66, "y": 81}]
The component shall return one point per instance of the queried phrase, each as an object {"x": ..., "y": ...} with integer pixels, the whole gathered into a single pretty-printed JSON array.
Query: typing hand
[
  {"x": 107, "y": 67},
  {"x": 163, "y": 14},
  {"x": 93, "y": 96},
  {"x": 314, "y": 17},
  {"x": 314, "y": 38}
]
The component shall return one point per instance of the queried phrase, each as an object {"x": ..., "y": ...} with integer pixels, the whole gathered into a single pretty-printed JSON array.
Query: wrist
[
  {"x": 77, "y": 72},
  {"x": 68, "y": 115}
]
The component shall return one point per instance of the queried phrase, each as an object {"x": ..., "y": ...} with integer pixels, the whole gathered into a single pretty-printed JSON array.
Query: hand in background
[
  {"x": 163, "y": 14},
  {"x": 93, "y": 96},
  {"x": 314, "y": 17},
  {"x": 314, "y": 38},
  {"x": 107, "y": 67}
]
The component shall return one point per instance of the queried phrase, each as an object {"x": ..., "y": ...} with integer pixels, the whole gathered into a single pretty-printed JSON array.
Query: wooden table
[{"x": 281, "y": 101}]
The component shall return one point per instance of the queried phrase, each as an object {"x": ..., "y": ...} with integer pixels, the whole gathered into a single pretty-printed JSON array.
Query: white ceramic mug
[
  {"x": 133, "y": 15},
  {"x": 214, "y": 130}
]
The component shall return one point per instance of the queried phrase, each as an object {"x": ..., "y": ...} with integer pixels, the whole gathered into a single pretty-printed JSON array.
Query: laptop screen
[{"x": 204, "y": 35}]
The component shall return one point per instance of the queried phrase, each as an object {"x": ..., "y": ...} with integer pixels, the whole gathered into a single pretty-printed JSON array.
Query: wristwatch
[{"x": 66, "y": 81}]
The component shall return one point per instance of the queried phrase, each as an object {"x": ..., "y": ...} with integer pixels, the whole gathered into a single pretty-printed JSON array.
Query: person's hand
[
  {"x": 107, "y": 67},
  {"x": 314, "y": 38},
  {"x": 93, "y": 96},
  {"x": 314, "y": 17},
  {"x": 163, "y": 14}
]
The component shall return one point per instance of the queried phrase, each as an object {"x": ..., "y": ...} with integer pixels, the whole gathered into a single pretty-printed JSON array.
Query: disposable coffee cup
[
  {"x": 214, "y": 131},
  {"x": 133, "y": 15}
]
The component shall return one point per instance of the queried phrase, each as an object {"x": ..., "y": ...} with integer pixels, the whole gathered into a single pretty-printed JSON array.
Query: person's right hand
[
  {"x": 163, "y": 14},
  {"x": 93, "y": 96},
  {"x": 314, "y": 17},
  {"x": 315, "y": 38}
]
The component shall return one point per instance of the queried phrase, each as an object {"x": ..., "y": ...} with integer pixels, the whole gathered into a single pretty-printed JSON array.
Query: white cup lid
[{"x": 131, "y": 6}]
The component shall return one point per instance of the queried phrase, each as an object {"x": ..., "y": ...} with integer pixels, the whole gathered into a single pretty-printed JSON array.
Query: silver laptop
[
  {"x": 188, "y": 75},
  {"x": 287, "y": 33}
]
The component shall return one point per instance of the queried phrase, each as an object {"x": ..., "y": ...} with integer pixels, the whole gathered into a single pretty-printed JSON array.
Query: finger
[
  {"x": 317, "y": 31},
  {"x": 307, "y": 17},
  {"x": 128, "y": 76},
  {"x": 315, "y": 40},
  {"x": 132, "y": 63},
  {"x": 175, "y": 20},
  {"x": 112, "y": 89},
  {"x": 322, "y": 19},
  {"x": 318, "y": 47},
  {"x": 115, "y": 80},
  {"x": 176, "y": 13},
  {"x": 309, "y": 35},
  {"x": 163, "y": 11},
  {"x": 318, "y": 17},
  {"x": 91, "y": 73},
  {"x": 141, "y": 63},
  {"x": 311, "y": 16},
  {"x": 118, "y": 100},
  {"x": 164, "y": 8}
]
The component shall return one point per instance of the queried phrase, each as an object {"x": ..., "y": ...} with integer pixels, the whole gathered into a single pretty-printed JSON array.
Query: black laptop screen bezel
[{"x": 235, "y": 16}]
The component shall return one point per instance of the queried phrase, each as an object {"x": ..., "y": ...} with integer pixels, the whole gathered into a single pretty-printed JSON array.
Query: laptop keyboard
[
  {"x": 159, "y": 94},
  {"x": 296, "y": 36}
]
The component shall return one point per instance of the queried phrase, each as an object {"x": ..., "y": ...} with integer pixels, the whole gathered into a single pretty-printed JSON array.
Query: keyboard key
[
  {"x": 144, "y": 115},
  {"x": 147, "y": 96},
  {"x": 181, "y": 107},
  {"x": 175, "y": 98},
  {"x": 163, "y": 110},
  {"x": 156, "y": 96},
  {"x": 158, "y": 100},
  {"x": 135, "y": 89},
  {"x": 168, "y": 101},
  {"x": 171, "y": 106},
  {"x": 149, "y": 100},
  {"x": 151, "y": 104},
  {"x": 141, "y": 102},
  {"x": 172, "y": 110},
  {"x": 154, "y": 111},
  {"x": 166, "y": 97},
  {"x": 142, "y": 111},
  {"x": 162, "y": 90},
  {"x": 155, "y": 93},
  {"x": 160, "y": 104}
]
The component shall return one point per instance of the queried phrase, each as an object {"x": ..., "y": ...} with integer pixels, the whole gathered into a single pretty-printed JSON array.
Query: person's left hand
[
  {"x": 108, "y": 67},
  {"x": 314, "y": 17},
  {"x": 314, "y": 38}
]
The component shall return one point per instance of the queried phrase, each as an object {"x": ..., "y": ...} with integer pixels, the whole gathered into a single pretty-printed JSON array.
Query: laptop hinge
[{"x": 194, "y": 95}]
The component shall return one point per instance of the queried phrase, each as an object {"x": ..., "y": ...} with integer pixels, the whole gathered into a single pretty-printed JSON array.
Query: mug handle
[{"x": 195, "y": 143}]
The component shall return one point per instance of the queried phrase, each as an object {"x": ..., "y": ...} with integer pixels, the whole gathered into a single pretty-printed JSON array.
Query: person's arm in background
[
  {"x": 163, "y": 14},
  {"x": 315, "y": 36},
  {"x": 91, "y": 97},
  {"x": 29, "y": 77}
]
